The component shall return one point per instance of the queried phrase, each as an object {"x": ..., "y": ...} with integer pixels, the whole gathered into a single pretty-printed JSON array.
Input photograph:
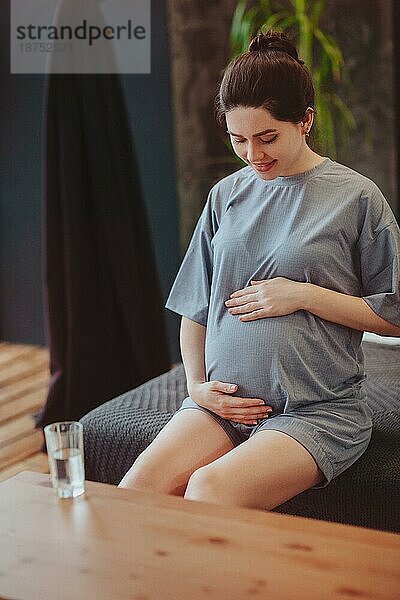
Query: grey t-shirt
[{"x": 329, "y": 226}]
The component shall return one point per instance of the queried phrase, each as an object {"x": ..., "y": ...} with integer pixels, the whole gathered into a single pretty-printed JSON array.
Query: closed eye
[
  {"x": 270, "y": 141},
  {"x": 261, "y": 140}
]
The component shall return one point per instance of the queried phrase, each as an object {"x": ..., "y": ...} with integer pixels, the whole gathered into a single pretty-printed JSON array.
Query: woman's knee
[
  {"x": 206, "y": 485},
  {"x": 137, "y": 476},
  {"x": 144, "y": 474},
  {"x": 151, "y": 473}
]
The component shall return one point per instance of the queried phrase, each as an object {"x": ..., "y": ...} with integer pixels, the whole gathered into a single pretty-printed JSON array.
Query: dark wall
[
  {"x": 21, "y": 318},
  {"x": 21, "y": 101},
  {"x": 364, "y": 29}
]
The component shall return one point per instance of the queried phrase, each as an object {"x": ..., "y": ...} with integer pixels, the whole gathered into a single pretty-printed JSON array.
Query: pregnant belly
[{"x": 276, "y": 359}]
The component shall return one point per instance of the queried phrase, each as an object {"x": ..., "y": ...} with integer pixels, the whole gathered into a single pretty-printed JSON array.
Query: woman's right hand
[{"x": 216, "y": 396}]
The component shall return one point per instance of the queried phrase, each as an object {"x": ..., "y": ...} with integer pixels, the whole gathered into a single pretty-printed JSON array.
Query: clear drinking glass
[{"x": 65, "y": 453}]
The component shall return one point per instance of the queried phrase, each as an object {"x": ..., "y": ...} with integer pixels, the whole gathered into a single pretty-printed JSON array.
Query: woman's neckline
[{"x": 295, "y": 179}]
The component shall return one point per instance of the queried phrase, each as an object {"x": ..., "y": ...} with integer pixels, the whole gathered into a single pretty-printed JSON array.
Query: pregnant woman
[{"x": 293, "y": 257}]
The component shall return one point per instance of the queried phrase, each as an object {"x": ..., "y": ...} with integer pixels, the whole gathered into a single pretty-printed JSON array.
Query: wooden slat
[
  {"x": 16, "y": 428},
  {"x": 22, "y": 368},
  {"x": 8, "y": 349},
  {"x": 29, "y": 403},
  {"x": 12, "y": 352},
  {"x": 37, "y": 381},
  {"x": 21, "y": 448},
  {"x": 37, "y": 462}
]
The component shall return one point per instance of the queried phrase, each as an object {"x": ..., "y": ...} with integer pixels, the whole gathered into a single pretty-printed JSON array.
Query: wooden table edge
[{"x": 246, "y": 515}]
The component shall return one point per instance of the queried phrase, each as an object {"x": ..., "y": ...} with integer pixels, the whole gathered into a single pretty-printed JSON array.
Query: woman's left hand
[{"x": 267, "y": 298}]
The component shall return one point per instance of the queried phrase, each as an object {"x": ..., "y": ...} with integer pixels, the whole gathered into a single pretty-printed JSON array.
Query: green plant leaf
[
  {"x": 331, "y": 50},
  {"x": 283, "y": 24},
  {"x": 325, "y": 129},
  {"x": 316, "y": 12},
  {"x": 344, "y": 111},
  {"x": 305, "y": 40},
  {"x": 237, "y": 19},
  {"x": 298, "y": 5},
  {"x": 323, "y": 72},
  {"x": 275, "y": 19}
]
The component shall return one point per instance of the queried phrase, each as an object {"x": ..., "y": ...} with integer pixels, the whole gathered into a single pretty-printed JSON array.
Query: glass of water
[{"x": 64, "y": 443}]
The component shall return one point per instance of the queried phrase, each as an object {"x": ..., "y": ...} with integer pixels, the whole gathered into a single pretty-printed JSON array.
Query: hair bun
[{"x": 274, "y": 40}]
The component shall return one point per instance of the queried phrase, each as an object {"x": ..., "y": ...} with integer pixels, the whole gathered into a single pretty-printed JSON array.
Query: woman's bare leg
[
  {"x": 189, "y": 441},
  {"x": 263, "y": 472}
]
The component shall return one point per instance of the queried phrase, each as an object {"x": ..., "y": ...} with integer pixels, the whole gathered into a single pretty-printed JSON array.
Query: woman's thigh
[
  {"x": 190, "y": 440},
  {"x": 263, "y": 472}
]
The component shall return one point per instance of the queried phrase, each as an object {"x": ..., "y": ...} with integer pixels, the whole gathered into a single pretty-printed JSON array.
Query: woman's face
[{"x": 272, "y": 148}]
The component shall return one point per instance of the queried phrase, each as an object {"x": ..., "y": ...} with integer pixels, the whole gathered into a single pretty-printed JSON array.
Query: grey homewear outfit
[{"x": 329, "y": 226}]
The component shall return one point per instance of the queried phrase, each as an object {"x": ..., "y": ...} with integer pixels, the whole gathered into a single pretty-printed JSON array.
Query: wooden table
[{"x": 117, "y": 544}]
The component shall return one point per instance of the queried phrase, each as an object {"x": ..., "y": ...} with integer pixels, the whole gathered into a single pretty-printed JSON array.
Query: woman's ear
[
  {"x": 309, "y": 116},
  {"x": 307, "y": 121}
]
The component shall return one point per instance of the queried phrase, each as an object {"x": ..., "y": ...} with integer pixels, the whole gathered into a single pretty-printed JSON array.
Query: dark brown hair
[{"x": 269, "y": 75}]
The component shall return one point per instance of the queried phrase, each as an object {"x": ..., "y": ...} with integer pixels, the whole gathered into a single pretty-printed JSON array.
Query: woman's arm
[
  {"x": 192, "y": 339},
  {"x": 214, "y": 395},
  {"x": 350, "y": 311},
  {"x": 281, "y": 296}
]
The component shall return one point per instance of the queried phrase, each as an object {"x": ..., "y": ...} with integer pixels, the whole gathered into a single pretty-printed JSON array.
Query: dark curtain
[{"x": 104, "y": 311}]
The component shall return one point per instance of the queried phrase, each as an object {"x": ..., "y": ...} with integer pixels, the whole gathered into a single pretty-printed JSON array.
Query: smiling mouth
[{"x": 263, "y": 167}]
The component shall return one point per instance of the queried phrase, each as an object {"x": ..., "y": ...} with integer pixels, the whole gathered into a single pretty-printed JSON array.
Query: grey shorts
[{"x": 335, "y": 433}]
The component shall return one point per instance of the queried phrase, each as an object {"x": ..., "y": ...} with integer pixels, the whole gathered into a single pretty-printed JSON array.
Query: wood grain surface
[{"x": 123, "y": 544}]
